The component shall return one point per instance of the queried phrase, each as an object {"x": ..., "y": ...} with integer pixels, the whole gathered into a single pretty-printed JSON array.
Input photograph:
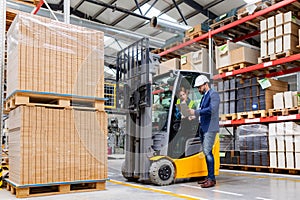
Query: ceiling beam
[
  {"x": 78, "y": 5},
  {"x": 125, "y": 15},
  {"x": 178, "y": 9},
  {"x": 167, "y": 9},
  {"x": 200, "y": 8},
  {"x": 138, "y": 6},
  {"x": 212, "y": 4},
  {"x": 102, "y": 10}
]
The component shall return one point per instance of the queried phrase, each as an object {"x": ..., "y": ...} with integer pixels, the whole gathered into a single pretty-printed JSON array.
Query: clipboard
[{"x": 184, "y": 109}]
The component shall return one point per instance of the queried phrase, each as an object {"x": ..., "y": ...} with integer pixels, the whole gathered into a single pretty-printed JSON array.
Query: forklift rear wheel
[
  {"x": 127, "y": 175},
  {"x": 162, "y": 172}
]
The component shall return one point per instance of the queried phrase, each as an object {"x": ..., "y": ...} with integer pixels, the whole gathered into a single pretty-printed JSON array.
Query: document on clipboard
[{"x": 184, "y": 109}]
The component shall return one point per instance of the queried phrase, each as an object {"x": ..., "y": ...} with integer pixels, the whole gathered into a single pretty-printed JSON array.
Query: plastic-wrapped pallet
[{"x": 253, "y": 144}]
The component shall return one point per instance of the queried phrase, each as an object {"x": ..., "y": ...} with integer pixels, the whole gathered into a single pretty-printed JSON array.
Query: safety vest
[{"x": 190, "y": 103}]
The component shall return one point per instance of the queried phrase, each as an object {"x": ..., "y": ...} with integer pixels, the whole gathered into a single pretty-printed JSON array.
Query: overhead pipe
[{"x": 168, "y": 26}]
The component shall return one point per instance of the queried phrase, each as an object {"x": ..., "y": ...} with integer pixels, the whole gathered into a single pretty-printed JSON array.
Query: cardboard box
[
  {"x": 263, "y": 49},
  {"x": 289, "y": 143},
  {"x": 271, "y": 22},
  {"x": 280, "y": 143},
  {"x": 297, "y": 143},
  {"x": 278, "y": 101},
  {"x": 272, "y": 143},
  {"x": 271, "y": 46},
  {"x": 168, "y": 65},
  {"x": 273, "y": 159},
  {"x": 289, "y": 157},
  {"x": 289, "y": 17},
  {"x": 290, "y": 42},
  {"x": 280, "y": 129},
  {"x": 279, "y": 30},
  {"x": 263, "y": 25},
  {"x": 272, "y": 129},
  {"x": 297, "y": 160},
  {"x": 193, "y": 30},
  {"x": 279, "y": 18},
  {"x": 288, "y": 99},
  {"x": 223, "y": 56},
  {"x": 279, "y": 44},
  {"x": 271, "y": 33},
  {"x": 281, "y": 159},
  {"x": 198, "y": 61},
  {"x": 291, "y": 28},
  {"x": 244, "y": 54}
]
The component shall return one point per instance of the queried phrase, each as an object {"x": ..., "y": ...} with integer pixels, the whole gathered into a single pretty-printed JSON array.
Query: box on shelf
[
  {"x": 297, "y": 143},
  {"x": 263, "y": 25},
  {"x": 289, "y": 143},
  {"x": 279, "y": 19},
  {"x": 271, "y": 33},
  {"x": 280, "y": 140},
  {"x": 279, "y": 44},
  {"x": 289, "y": 17},
  {"x": 290, "y": 43},
  {"x": 272, "y": 143},
  {"x": 263, "y": 49},
  {"x": 198, "y": 61},
  {"x": 279, "y": 30},
  {"x": 244, "y": 55},
  {"x": 297, "y": 160},
  {"x": 271, "y": 22},
  {"x": 168, "y": 65},
  {"x": 289, "y": 157},
  {"x": 273, "y": 159},
  {"x": 271, "y": 46},
  {"x": 291, "y": 28},
  {"x": 193, "y": 30},
  {"x": 223, "y": 55},
  {"x": 281, "y": 159}
]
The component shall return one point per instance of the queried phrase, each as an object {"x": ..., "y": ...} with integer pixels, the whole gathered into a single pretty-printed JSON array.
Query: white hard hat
[{"x": 200, "y": 80}]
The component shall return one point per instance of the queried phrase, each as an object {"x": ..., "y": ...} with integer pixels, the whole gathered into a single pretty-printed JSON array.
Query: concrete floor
[{"x": 231, "y": 185}]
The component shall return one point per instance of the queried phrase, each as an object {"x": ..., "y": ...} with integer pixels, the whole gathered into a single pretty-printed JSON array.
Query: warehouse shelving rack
[{"x": 260, "y": 68}]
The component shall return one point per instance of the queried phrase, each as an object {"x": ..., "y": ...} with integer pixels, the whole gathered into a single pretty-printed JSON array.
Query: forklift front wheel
[{"x": 162, "y": 172}]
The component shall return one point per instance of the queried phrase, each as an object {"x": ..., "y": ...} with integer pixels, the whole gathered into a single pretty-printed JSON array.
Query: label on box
[
  {"x": 183, "y": 60},
  {"x": 264, "y": 83}
]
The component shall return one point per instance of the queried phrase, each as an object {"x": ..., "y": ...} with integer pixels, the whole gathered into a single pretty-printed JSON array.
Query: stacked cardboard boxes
[
  {"x": 50, "y": 145},
  {"x": 279, "y": 34},
  {"x": 197, "y": 61},
  {"x": 288, "y": 99},
  {"x": 284, "y": 145}
]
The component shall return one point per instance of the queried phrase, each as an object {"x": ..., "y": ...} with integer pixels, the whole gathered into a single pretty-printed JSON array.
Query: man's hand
[
  {"x": 192, "y": 112},
  {"x": 191, "y": 117}
]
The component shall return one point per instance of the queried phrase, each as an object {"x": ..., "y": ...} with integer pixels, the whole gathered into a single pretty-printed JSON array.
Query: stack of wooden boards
[{"x": 50, "y": 146}]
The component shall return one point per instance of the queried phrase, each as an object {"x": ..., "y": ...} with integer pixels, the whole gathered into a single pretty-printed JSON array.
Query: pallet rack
[{"x": 267, "y": 69}]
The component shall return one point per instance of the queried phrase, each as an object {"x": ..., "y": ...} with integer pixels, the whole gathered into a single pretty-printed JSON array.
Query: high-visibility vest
[{"x": 190, "y": 103}]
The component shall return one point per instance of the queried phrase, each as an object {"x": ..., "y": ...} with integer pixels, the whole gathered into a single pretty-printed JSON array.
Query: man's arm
[{"x": 213, "y": 106}]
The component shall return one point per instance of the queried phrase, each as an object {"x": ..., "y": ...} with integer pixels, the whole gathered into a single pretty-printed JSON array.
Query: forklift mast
[{"x": 135, "y": 69}]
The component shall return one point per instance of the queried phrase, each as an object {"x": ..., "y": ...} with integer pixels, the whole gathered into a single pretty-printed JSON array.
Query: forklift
[{"x": 160, "y": 145}]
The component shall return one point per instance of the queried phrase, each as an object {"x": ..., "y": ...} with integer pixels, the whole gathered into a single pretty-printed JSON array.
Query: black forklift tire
[
  {"x": 162, "y": 172},
  {"x": 126, "y": 174}
]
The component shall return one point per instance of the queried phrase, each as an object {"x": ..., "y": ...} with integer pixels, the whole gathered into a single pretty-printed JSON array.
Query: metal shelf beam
[{"x": 260, "y": 66}]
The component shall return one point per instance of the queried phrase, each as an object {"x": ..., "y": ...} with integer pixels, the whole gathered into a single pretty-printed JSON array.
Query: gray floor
[{"x": 231, "y": 185}]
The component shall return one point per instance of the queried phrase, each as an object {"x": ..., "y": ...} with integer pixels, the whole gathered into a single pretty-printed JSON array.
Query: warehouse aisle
[{"x": 231, "y": 185}]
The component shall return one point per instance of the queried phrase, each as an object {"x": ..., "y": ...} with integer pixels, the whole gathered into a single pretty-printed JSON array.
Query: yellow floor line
[{"x": 154, "y": 190}]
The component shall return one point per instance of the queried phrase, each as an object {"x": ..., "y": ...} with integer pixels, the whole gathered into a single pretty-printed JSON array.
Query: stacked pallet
[
  {"x": 285, "y": 103},
  {"x": 279, "y": 36},
  {"x": 194, "y": 32},
  {"x": 49, "y": 56},
  {"x": 284, "y": 145},
  {"x": 50, "y": 146}
]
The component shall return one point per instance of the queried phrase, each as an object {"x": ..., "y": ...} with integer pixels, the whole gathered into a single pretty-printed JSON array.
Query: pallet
[
  {"x": 243, "y": 12},
  {"x": 223, "y": 22},
  {"x": 233, "y": 67},
  {"x": 276, "y": 56},
  {"x": 45, "y": 99},
  {"x": 24, "y": 191},
  {"x": 195, "y": 34},
  {"x": 232, "y": 116},
  {"x": 260, "y": 113},
  {"x": 284, "y": 111},
  {"x": 261, "y": 169}
]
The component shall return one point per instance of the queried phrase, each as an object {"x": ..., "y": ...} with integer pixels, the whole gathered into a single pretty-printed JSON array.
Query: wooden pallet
[
  {"x": 260, "y": 113},
  {"x": 223, "y": 22},
  {"x": 195, "y": 34},
  {"x": 232, "y": 116},
  {"x": 24, "y": 191},
  {"x": 243, "y": 12},
  {"x": 261, "y": 169},
  {"x": 233, "y": 67},
  {"x": 284, "y": 111},
  {"x": 55, "y": 100},
  {"x": 276, "y": 56}
]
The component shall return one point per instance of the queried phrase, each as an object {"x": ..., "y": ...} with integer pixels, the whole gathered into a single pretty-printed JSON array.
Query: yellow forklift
[{"x": 160, "y": 145}]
